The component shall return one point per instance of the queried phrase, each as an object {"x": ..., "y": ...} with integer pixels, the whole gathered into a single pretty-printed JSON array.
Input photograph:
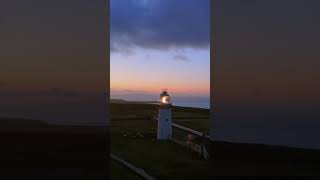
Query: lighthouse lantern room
[{"x": 164, "y": 117}]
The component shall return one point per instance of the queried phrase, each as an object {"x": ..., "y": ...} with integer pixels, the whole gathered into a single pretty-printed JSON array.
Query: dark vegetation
[
  {"x": 120, "y": 172},
  {"x": 133, "y": 138},
  {"x": 32, "y": 149},
  {"x": 257, "y": 159},
  {"x": 194, "y": 118}
]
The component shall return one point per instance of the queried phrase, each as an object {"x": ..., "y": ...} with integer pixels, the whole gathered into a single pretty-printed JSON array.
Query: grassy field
[
  {"x": 120, "y": 172},
  {"x": 194, "y": 118},
  {"x": 133, "y": 138},
  {"x": 32, "y": 149}
]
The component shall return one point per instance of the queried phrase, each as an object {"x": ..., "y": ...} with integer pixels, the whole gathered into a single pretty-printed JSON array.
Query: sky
[
  {"x": 270, "y": 47},
  {"x": 159, "y": 44},
  {"x": 53, "y": 44},
  {"x": 53, "y": 53},
  {"x": 266, "y": 72}
]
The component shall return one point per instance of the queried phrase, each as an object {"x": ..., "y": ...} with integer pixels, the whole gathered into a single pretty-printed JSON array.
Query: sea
[{"x": 203, "y": 105}]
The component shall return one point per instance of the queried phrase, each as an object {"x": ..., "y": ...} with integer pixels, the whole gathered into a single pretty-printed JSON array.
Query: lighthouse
[{"x": 164, "y": 117}]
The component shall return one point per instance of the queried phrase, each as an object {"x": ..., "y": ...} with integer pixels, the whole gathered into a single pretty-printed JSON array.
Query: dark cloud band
[{"x": 161, "y": 24}]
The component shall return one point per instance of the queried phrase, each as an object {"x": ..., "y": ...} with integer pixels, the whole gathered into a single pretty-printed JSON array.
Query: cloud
[
  {"x": 181, "y": 58},
  {"x": 133, "y": 95},
  {"x": 161, "y": 24},
  {"x": 127, "y": 91}
]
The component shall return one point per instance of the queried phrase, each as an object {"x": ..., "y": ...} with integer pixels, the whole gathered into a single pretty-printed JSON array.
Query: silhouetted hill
[
  {"x": 19, "y": 122},
  {"x": 118, "y": 101}
]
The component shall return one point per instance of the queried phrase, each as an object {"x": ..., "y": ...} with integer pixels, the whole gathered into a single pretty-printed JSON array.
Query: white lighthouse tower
[{"x": 164, "y": 117}]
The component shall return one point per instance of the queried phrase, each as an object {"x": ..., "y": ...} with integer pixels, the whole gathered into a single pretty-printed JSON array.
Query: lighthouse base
[{"x": 164, "y": 124}]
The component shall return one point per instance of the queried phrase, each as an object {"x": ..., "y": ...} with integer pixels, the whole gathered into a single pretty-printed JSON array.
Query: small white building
[{"x": 164, "y": 117}]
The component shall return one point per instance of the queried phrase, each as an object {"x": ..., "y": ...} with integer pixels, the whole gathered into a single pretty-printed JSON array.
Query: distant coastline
[{"x": 202, "y": 105}]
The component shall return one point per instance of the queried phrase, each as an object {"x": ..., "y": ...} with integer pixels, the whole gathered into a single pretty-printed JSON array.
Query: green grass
[
  {"x": 32, "y": 149},
  {"x": 134, "y": 139},
  {"x": 194, "y": 118},
  {"x": 119, "y": 172}
]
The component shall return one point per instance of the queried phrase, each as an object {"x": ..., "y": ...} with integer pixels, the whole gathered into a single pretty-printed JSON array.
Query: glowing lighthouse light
[
  {"x": 164, "y": 117},
  {"x": 165, "y": 99}
]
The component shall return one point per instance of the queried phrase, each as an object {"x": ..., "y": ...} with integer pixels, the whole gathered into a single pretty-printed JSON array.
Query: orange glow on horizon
[{"x": 158, "y": 89}]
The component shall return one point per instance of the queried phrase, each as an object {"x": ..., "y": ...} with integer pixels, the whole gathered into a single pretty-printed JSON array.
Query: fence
[{"x": 191, "y": 139}]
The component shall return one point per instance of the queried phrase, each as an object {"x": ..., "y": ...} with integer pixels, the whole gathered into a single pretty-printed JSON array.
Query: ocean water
[{"x": 204, "y": 105}]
